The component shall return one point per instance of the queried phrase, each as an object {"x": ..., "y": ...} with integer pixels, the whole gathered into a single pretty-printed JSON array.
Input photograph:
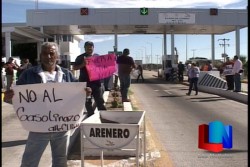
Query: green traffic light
[{"x": 144, "y": 11}]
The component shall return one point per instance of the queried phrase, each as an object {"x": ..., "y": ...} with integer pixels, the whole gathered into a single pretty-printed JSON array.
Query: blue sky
[{"x": 14, "y": 11}]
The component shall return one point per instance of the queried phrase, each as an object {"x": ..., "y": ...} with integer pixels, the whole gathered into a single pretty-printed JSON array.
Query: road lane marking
[{"x": 167, "y": 92}]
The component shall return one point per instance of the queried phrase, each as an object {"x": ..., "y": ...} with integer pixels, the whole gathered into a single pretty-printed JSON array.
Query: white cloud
[
  {"x": 101, "y": 38},
  {"x": 147, "y": 3}
]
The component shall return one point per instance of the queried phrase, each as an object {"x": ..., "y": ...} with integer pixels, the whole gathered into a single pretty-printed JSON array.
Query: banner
[
  {"x": 100, "y": 67},
  {"x": 50, "y": 107}
]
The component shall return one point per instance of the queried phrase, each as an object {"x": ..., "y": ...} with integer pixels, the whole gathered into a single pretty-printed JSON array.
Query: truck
[{"x": 169, "y": 63}]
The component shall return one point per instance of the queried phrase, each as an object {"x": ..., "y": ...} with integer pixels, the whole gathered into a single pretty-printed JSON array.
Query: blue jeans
[
  {"x": 36, "y": 144},
  {"x": 106, "y": 83},
  {"x": 10, "y": 79},
  {"x": 193, "y": 83},
  {"x": 237, "y": 82},
  {"x": 97, "y": 93},
  {"x": 124, "y": 85}
]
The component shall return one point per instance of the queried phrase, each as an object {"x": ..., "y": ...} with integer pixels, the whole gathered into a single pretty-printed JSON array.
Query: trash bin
[{"x": 112, "y": 131}]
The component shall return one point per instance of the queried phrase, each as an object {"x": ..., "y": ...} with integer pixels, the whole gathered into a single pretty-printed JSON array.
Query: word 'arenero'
[
  {"x": 109, "y": 133},
  {"x": 45, "y": 118}
]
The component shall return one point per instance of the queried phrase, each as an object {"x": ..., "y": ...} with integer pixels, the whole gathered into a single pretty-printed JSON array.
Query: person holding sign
[
  {"x": 228, "y": 72},
  {"x": 47, "y": 72},
  {"x": 125, "y": 66},
  {"x": 96, "y": 85}
]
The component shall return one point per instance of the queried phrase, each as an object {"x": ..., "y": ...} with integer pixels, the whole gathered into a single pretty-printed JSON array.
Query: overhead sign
[
  {"x": 84, "y": 11},
  {"x": 144, "y": 11},
  {"x": 50, "y": 107},
  {"x": 177, "y": 18}
]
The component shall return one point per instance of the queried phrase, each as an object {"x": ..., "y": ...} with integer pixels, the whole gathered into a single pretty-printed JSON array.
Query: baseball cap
[{"x": 89, "y": 43}]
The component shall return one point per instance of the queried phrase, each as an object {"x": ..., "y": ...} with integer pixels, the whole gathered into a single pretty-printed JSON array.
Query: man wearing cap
[{"x": 96, "y": 86}]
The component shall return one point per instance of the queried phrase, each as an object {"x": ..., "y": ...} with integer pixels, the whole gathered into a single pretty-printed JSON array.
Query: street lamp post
[
  {"x": 157, "y": 61},
  {"x": 141, "y": 53},
  {"x": 151, "y": 55},
  {"x": 224, "y": 46},
  {"x": 145, "y": 54},
  {"x": 193, "y": 52},
  {"x": 162, "y": 45},
  {"x": 186, "y": 47}
]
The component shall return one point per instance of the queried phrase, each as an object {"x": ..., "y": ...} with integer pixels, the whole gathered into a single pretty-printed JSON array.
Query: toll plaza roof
[
  {"x": 137, "y": 20},
  {"x": 20, "y": 32}
]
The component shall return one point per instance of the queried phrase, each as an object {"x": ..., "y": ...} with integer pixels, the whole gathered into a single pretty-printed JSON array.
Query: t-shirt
[
  {"x": 228, "y": 68},
  {"x": 50, "y": 77},
  {"x": 10, "y": 68},
  {"x": 125, "y": 64},
  {"x": 181, "y": 67},
  {"x": 84, "y": 76}
]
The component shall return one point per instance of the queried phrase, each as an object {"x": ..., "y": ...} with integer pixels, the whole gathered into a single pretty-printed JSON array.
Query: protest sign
[
  {"x": 100, "y": 67},
  {"x": 50, "y": 107}
]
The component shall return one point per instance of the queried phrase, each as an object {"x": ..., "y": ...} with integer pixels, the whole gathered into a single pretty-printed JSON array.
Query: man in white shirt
[{"x": 237, "y": 71}]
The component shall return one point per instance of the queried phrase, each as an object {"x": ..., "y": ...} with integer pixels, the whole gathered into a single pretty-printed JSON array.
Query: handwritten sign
[
  {"x": 50, "y": 107},
  {"x": 100, "y": 67}
]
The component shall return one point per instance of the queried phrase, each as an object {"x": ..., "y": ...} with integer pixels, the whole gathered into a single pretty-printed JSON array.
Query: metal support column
[
  {"x": 237, "y": 38},
  {"x": 38, "y": 44},
  {"x": 165, "y": 43},
  {"x": 7, "y": 45},
  {"x": 212, "y": 48},
  {"x": 172, "y": 48}
]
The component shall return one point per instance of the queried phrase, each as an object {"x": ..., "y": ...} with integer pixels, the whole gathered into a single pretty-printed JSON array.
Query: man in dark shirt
[
  {"x": 181, "y": 69},
  {"x": 96, "y": 86},
  {"x": 125, "y": 66}
]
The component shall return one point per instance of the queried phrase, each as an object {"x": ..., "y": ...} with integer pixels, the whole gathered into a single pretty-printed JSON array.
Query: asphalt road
[{"x": 175, "y": 117}]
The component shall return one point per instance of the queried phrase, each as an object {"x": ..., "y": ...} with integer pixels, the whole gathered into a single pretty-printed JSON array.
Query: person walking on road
[
  {"x": 125, "y": 66},
  {"x": 140, "y": 73},
  {"x": 181, "y": 69},
  {"x": 237, "y": 71},
  {"x": 193, "y": 73},
  {"x": 37, "y": 142},
  {"x": 96, "y": 86}
]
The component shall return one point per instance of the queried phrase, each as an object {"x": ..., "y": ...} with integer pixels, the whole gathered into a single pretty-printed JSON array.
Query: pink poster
[{"x": 100, "y": 67}]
